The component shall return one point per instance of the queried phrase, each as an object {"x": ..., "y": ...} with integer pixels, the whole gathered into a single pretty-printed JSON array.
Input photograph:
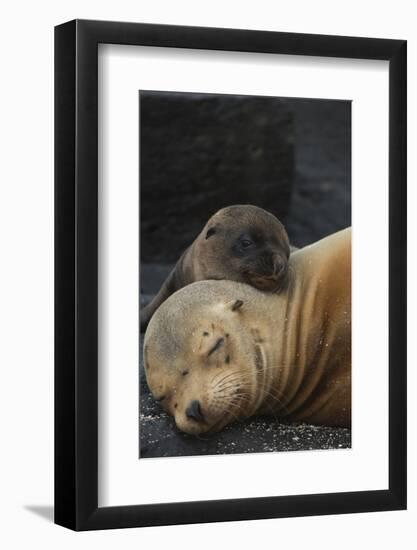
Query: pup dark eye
[
  {"x": 246, "y": 243},
  {"x": 210, "y": 232}
]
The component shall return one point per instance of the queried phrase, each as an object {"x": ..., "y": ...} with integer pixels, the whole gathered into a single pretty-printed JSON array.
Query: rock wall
[{"x": 201, "y": 152}]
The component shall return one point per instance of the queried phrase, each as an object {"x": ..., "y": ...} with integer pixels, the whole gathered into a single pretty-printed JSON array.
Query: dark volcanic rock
[
  {"x": 321, "y": 197},
  {"x": 201, "y": 152}
]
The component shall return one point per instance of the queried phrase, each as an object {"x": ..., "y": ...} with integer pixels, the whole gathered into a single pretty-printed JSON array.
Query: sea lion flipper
[
  {"x": 164, "y": 292},
  {"x": 175, "y": 280}
]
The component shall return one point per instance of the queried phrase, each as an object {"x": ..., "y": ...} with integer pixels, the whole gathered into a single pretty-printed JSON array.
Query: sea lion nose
[
  {"x": 280, "y": 267},
  {"x": 194, "y": 411}
]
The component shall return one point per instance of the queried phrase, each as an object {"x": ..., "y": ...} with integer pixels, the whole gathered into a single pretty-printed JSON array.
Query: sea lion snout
[
  {"x": 272, "y": 274},
  {"x": 194, "y": 412},
  {"x": 280, "y": 265}
]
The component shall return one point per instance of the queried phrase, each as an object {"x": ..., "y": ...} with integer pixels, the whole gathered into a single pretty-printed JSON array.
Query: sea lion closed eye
[
  {"x": 242, "y": 243},
  {"x": 248, "y": 352}
]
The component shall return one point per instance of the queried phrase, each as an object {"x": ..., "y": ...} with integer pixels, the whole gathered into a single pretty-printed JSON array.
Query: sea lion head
[
  {"x": 247, "y": 244},
  {"x": 201, "y": 361}
]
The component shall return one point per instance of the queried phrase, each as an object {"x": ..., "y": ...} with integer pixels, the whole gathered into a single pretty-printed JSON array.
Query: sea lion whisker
[
  {"x": 218, "y": 375},
  {"x": 232, "y": 384},
  {"x": 226, "y": 385},
  {"x": 238, "y": 373},
  {"x": 239, "y": 397},
  {"x": 224, "y": 375},
  {"x": 224, "y": 396},
  {"x": 238, "y": 383},
  {"x": 276, "y": 398},
  {"x": 228, "y": 380},
  {"x": 228, "y": 376},
  {"x": 238, "y": 379},
  {"x": 232, "y": 406},
  {"x": 231, "y": 413},
  {"x": 235, "y": 403}
]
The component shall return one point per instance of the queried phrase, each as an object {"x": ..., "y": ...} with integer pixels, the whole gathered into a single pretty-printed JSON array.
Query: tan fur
[
  {"x": 240, "y": 352},
  {"x": 213, "y": 257}
]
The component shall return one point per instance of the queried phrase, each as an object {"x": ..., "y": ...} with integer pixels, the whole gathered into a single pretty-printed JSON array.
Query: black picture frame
[{"x": 76, "y": 271}]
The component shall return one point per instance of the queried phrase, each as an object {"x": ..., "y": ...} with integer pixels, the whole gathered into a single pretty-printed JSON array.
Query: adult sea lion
[
  {"x": 240, "y": 243},
  {"x": 217, "y": 351}
]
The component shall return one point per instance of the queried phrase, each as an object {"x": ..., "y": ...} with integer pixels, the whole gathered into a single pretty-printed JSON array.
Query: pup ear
[{"x": 236, "y": 305}]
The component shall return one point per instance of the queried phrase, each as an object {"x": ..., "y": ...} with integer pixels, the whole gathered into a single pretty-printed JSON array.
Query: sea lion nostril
[
  {"x": 280, "y": 268},
  {"x": 194, "y": 411}
]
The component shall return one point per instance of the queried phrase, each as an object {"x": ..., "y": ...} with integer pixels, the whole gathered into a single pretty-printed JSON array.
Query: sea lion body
[
  {"x": 241, "y": 243},
  {"x": 217, "y": 351}
]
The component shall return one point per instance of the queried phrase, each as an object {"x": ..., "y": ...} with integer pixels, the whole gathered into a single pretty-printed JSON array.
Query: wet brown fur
[
  {"x": 215, "y": 254},
  {"x": 248, "y": 352}
]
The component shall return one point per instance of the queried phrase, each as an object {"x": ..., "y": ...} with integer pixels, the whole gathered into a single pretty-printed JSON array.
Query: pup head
[{"x": 247, "y": 244}]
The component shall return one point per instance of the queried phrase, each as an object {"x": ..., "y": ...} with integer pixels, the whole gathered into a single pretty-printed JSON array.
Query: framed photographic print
[{"x": 230, "y": 274}]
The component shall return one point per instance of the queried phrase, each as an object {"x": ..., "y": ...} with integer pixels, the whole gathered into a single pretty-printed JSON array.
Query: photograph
[
  {"x": 245, "y": 274},
  {"x": 207, "y": 272}
]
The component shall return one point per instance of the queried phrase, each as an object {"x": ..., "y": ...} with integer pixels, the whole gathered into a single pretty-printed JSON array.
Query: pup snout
[{"x": 280, "y": 267}]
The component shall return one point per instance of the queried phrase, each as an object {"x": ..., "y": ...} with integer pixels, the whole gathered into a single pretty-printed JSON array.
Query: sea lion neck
[
  {"x": 315, "y": 320},
  {"x": 296, "y": 333},
  {"x": 276, "y": 343}
]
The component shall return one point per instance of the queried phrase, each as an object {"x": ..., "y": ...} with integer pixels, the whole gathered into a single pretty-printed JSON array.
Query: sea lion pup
[
  {"x": 217, "y": 351},
  {"x": 240, "y": 243}
]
